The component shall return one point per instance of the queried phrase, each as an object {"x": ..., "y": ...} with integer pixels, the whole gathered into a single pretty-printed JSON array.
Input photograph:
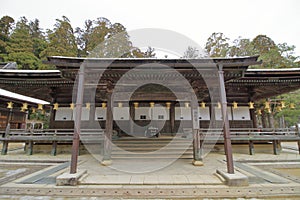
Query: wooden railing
[
  {"x": 48, "y": 136},
  {"x": 253, "y": 135},
  {"x": 90, "y": 136}
]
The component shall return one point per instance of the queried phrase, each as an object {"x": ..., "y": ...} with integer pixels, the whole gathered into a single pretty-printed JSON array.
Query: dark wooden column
[
  {"x": 52, "y": 111},
  {"x": 254, "y": 124},
  {"x": 264, "y": 119},
  {"x": 226, "y": 127},
  {"x": 108, "y": 129},
  {"x": 196, "y": 139},
  {"x": 77, "y": 122},
  {"x": 52, "y": 121},
  {"x": 253, "y": 118},
  {"x": 92, "y": 112},
  {"x": 271, "y": 120},
  {"x": 172, "y": 118},
  {"x": 132, "y": 116}
]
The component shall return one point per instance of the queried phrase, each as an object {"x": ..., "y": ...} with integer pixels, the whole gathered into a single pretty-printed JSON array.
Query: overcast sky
[{"x": 196, "y": 19}]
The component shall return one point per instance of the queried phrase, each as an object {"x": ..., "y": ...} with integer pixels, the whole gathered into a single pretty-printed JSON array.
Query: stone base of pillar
[
  {"x": 236, "y": 179},
  {"x": 106, "y": 162},
  {"x": 69, "y": 179},
  {"x": 197, "y": 162}
]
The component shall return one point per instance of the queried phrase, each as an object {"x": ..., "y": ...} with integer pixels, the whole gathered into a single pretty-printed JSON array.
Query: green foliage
[
  {"x": 102, "y": 39},
  {"x": 6, "y": 26},
  {"x": 20, "y": 39},
  {"x": 25, "y": 60},
  {"x": 241, "y": 47},
  {"x": 149, "y": 53},
  {"x": 41, "y": 116},
  {"x": 191, "y": 52},
  {"x": 268, "y": 51},
  {"x": 62, "y": 41},
  {"x": 20, "y": 47},
  {"x": 28, "y": 45},
  {"x": 291, "y": 115},
  {"x": 217, "y": 45}
]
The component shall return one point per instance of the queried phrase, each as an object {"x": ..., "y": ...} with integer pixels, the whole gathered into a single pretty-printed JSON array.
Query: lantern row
[{"x": 267, "y": 106}]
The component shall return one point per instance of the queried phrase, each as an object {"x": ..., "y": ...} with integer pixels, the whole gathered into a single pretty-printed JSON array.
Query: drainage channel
[
  {"x": 270, "y": 177},
  {"x": 45, "y": 175},
  {"x": 159, "y": 192}
]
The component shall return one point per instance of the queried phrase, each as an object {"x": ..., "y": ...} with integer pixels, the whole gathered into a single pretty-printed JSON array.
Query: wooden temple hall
[{"x": 155, "y": 98}]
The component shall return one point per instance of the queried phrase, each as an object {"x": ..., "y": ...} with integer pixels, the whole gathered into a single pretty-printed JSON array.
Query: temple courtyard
[{"x": 269, "y": 176}]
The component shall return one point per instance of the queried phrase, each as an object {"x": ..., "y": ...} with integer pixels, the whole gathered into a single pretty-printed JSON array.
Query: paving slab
[
  {"x": 151, "y": 179},
  {"x": 137, "y": 179},
  {"x": 189, "y": 182},
  {"x": 165, "y": 179},
  {"x": 180, "y": 179}
]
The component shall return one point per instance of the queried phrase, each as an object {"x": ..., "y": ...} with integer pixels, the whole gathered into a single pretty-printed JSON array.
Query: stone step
[
  {"x": 138, "y": 148},
  {"x": 150, "y": 156},
  {"x": 141, "y": 148}
]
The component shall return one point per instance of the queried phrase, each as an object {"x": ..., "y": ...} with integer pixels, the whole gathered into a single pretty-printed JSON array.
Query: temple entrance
[{"x": 149, "y": 112}]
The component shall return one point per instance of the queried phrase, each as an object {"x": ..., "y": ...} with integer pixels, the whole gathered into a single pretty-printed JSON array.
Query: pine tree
[
  {"x": 6, "y": 26},
  {"x": 62, "y": 41},
  {"x": 20, "y": 47}
]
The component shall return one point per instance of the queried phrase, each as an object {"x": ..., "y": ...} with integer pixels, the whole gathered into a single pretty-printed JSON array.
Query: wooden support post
[
  {"x": 253, "y": 117},
  {"x": 4, "y": 148},
  {"x": 54, "y": 145},
  {"x": 5, "y": 143},
  {"x": 197, "y": 151},
  {"x": 54, "y": 148},
  {"x": 52, "y": 111},
  {"x": 172, "y": 118},
  {"x": 196, "y": 142},
  {"x": 275, "y": 147},
  {"x": 226, "y": 128},
  {"x": 30, "y": 148},
  {"x": 30, "y": 145},
  {"x": 108, "y": 131},
  {"x": 298, "y": 134},
  {"x": 77, "y": 122},
  {"x": 132, "y": 116},
  {"x": 251, "y": 147}
]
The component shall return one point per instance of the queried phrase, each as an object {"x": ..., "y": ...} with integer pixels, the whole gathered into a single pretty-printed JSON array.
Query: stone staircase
[{"x": 152, "y": 148}]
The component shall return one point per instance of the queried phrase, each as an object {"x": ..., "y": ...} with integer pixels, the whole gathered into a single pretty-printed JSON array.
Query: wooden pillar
[
  {"x": 254, "y": 119},
  {"x": 226, "y": 128},
  {"x": 108, "y": 131},
  {"x": 271, "y": 120},
  {"x": 52, "y": 111},
  {"x": 196, "y": 139},
  {"x": 212, "y": 112},
  {"x": 92, "y": 112},
  {"x": 254, "y": 124},
  {"x": 132, "y": 116},
  {"x": 5, "y": 143},
  {"x": 264, "y": 120},
  {"x": 172, "y": 118},
  {"x": 77, "y": 122}
]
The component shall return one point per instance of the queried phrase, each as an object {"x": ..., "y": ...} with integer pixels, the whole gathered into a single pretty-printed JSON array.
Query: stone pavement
[{"x": 270, "y": 176}]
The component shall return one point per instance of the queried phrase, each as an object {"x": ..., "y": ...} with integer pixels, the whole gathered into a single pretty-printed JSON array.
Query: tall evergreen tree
[
  {"x": 6, "y": 27},
  {"x": 101, "y": 38},
  {"x": 20, "y": 46},
  {"x": 38, "y": 38},
  {"x": 93, "y": 34},
  {"x": 268, "y": 51},
  {"x": 62, "y": 41}
]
